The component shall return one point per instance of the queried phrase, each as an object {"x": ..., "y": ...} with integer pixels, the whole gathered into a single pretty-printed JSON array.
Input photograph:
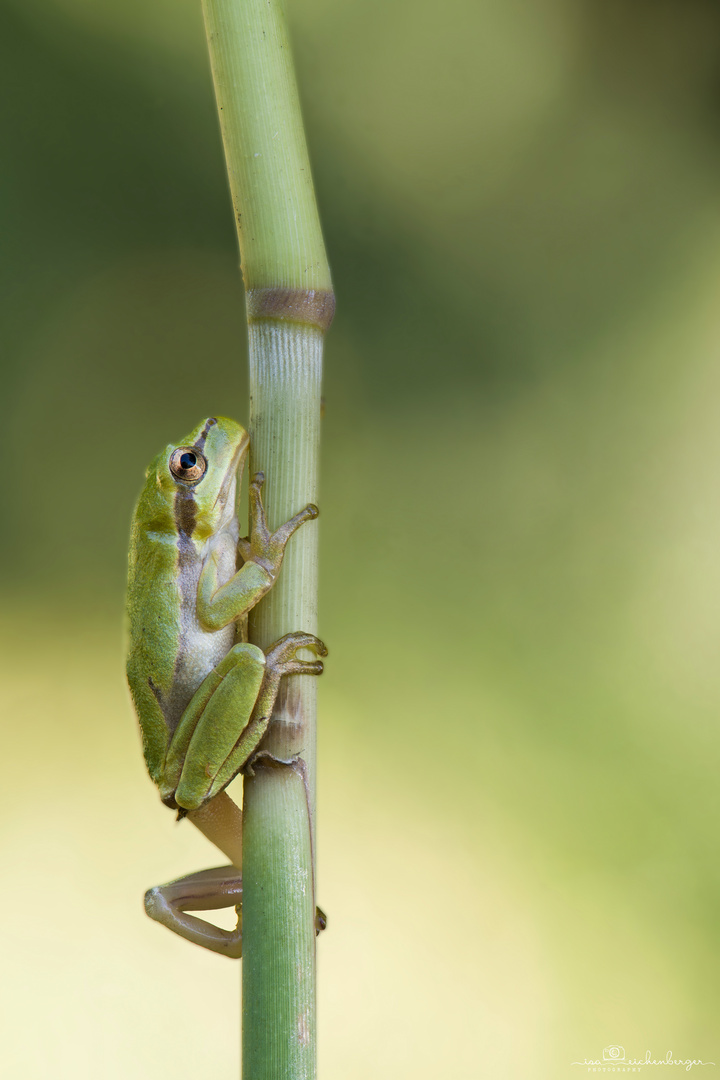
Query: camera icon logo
[{"x": 613, "y": 1053}]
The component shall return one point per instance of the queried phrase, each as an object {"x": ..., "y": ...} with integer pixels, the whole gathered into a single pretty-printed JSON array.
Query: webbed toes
[{"x": 302, "y": 667}]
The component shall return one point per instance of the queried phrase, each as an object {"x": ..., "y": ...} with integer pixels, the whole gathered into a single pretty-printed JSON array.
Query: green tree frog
[{"x": 203, "y": 694}]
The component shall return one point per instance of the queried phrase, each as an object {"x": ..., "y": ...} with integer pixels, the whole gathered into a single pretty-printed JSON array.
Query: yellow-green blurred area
[{"x": 520, "y": 731}]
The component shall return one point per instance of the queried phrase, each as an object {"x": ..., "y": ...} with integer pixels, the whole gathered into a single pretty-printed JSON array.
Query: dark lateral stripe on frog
[
  {"x": 185, "y": 507},
  {"x": 185, "y": 513},
  {"x": 173, "y": 700},
  {"x": 185, "y": 519},
  {"x": 199, "y": 444}
]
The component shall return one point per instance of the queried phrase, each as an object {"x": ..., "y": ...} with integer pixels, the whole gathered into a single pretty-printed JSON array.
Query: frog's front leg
[{"x": 262, "y": 551}]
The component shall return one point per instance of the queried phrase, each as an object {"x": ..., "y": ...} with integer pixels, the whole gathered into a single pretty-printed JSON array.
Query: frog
[{"x": 203, "y": 694}]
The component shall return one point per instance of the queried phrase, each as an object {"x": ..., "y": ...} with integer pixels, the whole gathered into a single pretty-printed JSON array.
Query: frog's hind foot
[{"x": 280, "y": 658}]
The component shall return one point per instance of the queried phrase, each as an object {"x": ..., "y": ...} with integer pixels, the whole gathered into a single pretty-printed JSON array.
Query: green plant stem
[{"x": 289, "y": 306}]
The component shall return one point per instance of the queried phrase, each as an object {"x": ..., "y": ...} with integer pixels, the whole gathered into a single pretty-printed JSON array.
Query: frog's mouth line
[{"x": 237, "y": 462}]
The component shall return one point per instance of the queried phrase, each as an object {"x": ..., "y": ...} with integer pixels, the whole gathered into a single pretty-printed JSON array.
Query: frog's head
[{"x": 191, "y": 485}]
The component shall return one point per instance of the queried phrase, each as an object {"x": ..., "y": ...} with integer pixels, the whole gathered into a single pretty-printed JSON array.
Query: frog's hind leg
[
  {"x": 228, "y": 716},
  {"x": 279, "y": 660},
  {"x": 215, "y": 723},
  {"x": 220, "y": 821},
  {"x": 205, "y": 891},
  {"x": 280, "y": 657}
]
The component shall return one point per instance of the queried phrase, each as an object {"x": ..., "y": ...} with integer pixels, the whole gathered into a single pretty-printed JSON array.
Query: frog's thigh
[
  {"x": 220, "y": 724},
  {"x": 180, "y": 741}
]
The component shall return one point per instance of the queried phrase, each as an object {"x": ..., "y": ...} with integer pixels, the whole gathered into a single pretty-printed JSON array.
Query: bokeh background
[{"x": 520, "y": 733}]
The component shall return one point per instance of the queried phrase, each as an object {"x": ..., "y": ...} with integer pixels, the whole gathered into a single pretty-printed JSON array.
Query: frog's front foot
[
  {"x": 262, "y": 546},
  {"x": 280, "y": 658}
]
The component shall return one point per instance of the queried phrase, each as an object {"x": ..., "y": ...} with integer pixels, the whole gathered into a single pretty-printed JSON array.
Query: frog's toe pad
[{"x": 320, "y": 920}]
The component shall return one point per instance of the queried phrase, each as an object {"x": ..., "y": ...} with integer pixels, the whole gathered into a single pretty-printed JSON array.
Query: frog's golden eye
[{"x": 187, "y": 463}]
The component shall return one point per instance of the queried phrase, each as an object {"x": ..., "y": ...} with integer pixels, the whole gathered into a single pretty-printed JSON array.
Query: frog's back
[
  {"x": 154, "y": 616},
  {"x": 153, "y": 606},
  {"x": 169, "y": 651}
]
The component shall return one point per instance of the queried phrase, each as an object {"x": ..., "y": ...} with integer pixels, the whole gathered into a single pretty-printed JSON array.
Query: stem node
[{"x": 314, "y": 307}]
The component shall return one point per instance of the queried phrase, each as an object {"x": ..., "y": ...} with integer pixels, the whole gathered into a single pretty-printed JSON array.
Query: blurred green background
[{"x": 518, "y": 831}]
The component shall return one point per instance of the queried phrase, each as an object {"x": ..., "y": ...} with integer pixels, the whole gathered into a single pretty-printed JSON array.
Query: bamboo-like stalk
[{"x": 289, "y": 306}]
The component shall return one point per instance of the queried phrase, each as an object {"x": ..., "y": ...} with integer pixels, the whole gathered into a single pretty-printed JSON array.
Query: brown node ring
[{"x": 315, "y": 307}]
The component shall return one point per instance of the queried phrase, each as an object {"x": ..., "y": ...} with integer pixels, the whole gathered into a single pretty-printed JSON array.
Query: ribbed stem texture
[
  {"x": 278, "y": 865},
  {"x": 278, "y": 926},
  {"x": 285, "y": 373}
]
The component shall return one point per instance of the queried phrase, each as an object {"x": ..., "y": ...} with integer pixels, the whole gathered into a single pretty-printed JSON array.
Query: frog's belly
[{"x": 199, "y": 650}]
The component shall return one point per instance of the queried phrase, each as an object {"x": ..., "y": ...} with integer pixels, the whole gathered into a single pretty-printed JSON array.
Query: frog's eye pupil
[{"x": 187, "y": 464}]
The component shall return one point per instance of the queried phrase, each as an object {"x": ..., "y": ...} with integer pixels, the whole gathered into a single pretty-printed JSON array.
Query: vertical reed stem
[{"x": 289, "y": 306}]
